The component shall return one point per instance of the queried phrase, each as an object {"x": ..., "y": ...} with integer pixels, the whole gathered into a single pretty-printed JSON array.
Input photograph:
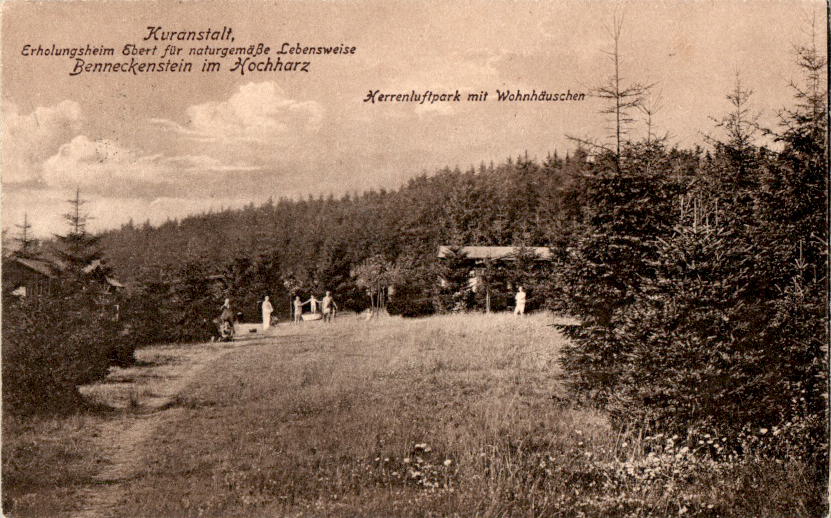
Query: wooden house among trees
[
  {"x": 38, "y": 277},
  {"x": 28, "y": 277},
  {"x": 479, "y": 254},
  {"x": 485, "y": 271}
]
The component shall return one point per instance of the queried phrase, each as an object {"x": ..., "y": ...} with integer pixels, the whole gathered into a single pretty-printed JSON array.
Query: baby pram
[
  {"x": 226, "y": 331},
  {"x": 225, "y": 325}
]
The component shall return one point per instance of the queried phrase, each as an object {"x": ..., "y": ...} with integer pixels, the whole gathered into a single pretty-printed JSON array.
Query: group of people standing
[
  {"x": 228, "y": 318},
  {"x": 327, "y": 305}
]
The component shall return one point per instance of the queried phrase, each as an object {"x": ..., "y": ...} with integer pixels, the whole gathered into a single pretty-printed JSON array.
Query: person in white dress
[
  {"x": 520, "y": 302},
  {"x": 267, "y": 310}
]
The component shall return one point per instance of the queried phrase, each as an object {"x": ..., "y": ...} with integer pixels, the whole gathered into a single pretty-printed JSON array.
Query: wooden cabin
[
  {"x": 28, "y": 277},
  {"x": 37, "y": 277},
  {"x": 479, "y": 254},
  {"x": 477, "y": 258}
]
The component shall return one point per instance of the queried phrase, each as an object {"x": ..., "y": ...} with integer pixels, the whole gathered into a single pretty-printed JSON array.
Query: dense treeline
[
  {"x": 701, "y": 291},
  {"x": 312, "y": 245}
]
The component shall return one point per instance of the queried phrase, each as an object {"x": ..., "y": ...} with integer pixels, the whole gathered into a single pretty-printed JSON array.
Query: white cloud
[
  {"x": 256, "y": 113},
  {"x": 84, "y": 162},
  {"x": 104, "y": 166},
  {"x": 29, "y": 139},
  {"x": 45, "y": 148}
]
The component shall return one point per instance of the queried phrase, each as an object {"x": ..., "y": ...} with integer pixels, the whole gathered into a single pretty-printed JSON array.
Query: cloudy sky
[{"x": 157, "y": 146}]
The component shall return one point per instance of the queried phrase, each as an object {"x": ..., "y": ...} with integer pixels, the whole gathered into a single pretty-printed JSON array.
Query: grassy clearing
[
  {"x": 46, "y": 460},
  {"x": 52, "y": 464},
  {"x": 447, "y": 416}
]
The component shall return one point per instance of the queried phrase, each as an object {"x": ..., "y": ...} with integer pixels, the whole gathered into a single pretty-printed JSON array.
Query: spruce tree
[
  {"x": 729, "y": 332},
  {"x": 692, "y": 334},
  {"x": 25, "y": 243},
  {"x": 78, "y": 250},
  {"x": 628, "y": 204},
  {"x": 622, "y": 98}
]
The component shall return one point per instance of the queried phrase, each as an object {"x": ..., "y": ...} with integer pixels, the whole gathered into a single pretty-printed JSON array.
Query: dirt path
[{"x": 146, "y": 392}]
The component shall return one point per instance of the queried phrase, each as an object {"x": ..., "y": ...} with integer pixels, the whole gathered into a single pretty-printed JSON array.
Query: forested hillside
[
  {"x": 516, "y": 201},
  {"x": 314, "y": 244}
]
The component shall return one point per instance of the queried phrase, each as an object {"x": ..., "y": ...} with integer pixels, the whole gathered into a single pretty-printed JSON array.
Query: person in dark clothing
[{"x": 226, "y": 321}]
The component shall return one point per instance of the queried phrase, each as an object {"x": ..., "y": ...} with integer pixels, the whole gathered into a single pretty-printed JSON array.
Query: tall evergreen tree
[
  {"x": 25, "y": 242},
  {"x": 78, "y": 249},
  {"x": 628, "y": 204},
  {"x": 622, "y": 97}
]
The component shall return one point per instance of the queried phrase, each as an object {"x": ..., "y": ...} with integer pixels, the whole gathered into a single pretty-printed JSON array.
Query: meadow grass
[
  {"x": 457, "y": 415},
  {"x": 46, "y": 460}
]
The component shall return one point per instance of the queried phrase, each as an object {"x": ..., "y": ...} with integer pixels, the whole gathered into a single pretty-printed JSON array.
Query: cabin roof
[
  {"x": 41, "y": 267},
  {"x": 543, "y": 253},
  {"x": 91, "y": 267},
  {"x": 51, "y": 268}
]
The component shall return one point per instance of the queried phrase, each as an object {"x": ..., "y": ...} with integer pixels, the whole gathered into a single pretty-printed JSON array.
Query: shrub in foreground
[{"x": 50, "y": 346}]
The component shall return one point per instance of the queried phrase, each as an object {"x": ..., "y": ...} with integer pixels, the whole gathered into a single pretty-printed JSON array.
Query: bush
[
  {"x": 50, "y": 346},
  {"x": 149, "y": 314}
]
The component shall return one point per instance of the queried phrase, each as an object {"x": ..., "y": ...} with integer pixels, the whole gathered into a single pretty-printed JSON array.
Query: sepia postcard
[{"x": 414, "y": 258}]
